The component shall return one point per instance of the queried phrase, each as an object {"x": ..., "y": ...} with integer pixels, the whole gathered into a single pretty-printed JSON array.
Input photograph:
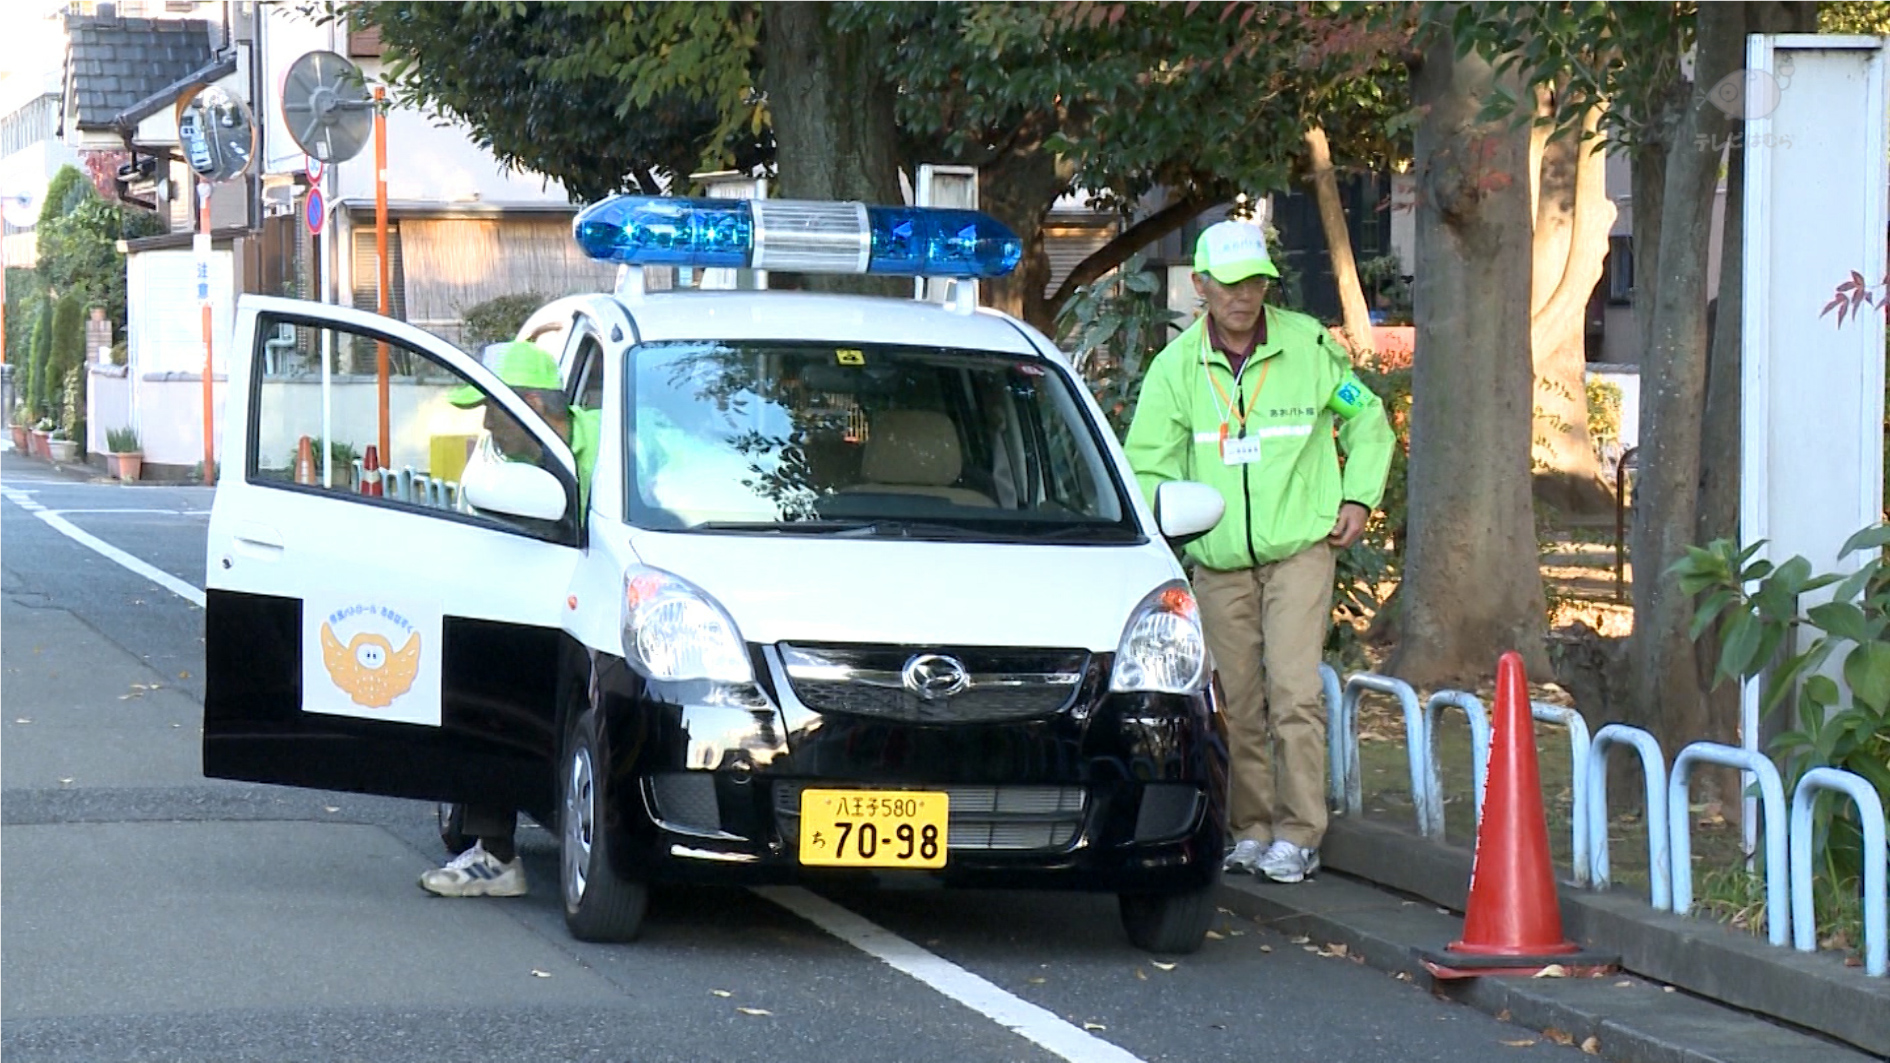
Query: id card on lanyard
[{"x": 1237, "y": 448}]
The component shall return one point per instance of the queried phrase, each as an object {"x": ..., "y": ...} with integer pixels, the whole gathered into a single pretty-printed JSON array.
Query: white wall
[
  {"x": 166, "y": 334},
  {"x": 424, "y": 161}
]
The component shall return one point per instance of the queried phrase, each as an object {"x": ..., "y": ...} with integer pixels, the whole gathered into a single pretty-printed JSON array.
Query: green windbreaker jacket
[{"x": 1294, "y": 388}]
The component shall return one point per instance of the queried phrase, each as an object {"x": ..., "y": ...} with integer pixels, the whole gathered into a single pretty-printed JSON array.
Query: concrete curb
[
  {"x": 1630, "y": 1019},
  {"x": 1814, "y": 991}
]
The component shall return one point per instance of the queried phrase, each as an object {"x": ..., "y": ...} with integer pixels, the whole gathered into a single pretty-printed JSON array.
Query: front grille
[
  {"x": 1001, "y": 684},
  {"x": 686, "y": 801},
  {"x": 983, "y": 818}
]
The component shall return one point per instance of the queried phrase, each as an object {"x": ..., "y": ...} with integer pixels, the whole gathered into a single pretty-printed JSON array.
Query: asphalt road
[{"x": 154, "y": 914}]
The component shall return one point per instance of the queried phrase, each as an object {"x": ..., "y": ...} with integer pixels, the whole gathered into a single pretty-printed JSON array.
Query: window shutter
[{"x": 367, "y": 273}]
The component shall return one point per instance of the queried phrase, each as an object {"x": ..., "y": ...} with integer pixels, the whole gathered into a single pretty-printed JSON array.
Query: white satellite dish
[{"x": 327, "y": 106}]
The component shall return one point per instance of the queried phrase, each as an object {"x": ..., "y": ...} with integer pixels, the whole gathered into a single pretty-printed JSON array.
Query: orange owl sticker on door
[
  {"x": 373, "y": 659},
  {"x": 370, "y": 670}
]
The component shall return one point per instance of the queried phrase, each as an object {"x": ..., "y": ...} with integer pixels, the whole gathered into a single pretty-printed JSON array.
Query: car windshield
[{"x": 865, "y": 440}]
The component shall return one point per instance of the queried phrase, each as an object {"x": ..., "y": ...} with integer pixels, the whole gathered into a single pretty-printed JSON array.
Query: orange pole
[
  {"x": 203, "y": 298},
  {"x": 380, "y": 244}
]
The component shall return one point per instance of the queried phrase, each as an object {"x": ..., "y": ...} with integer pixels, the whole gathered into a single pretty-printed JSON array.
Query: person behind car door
[
  {"x": 1246, "y": 400},
  {"x": 492, "y": 868}
]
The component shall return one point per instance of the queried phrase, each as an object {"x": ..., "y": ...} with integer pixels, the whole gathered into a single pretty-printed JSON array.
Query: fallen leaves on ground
[
  {"x": 1215, "y": 935},
  {"x": 1301, "y": 940},
  {"x": 1592, "y": 1046},
  {"x": 1520, "y": 1044},
  {"x": 1141, "y": 975},
  {"x": 1094, "y": 1026},
  {"x": 754, "y": 1011},
  {"x": 1266, "y": 948},
  {"x": 1160, "y": 966},
  {"x": 1336, "y": 949},
  {"x": 721, "y": 992},
  {"x": 1624, "y": 985},
  {"x": 1558, "y": 1036},
  {"x": 1036, "y": 981},
  {"x": 536, "y": 973},
  {"x": 1554, "y": 970}
]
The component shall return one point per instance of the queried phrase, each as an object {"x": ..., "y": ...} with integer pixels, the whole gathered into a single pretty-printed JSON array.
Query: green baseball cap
[
  {"x": 1232, "y": 251},
  {"x": 519, "y": 364}
]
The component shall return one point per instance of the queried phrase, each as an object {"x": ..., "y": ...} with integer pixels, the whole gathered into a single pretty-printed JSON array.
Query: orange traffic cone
[
  {"x": 371, "y": 471},
  {"x": 1513, "y": 921},
  {"x": 305, "y": 461}
]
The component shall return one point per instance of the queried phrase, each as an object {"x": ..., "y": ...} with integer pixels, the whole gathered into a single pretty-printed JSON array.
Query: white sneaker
[
  {"x": 1245, "y": 857},
  {"x": 476, "y": 873},
  {"x": 1286, "y": 862}
]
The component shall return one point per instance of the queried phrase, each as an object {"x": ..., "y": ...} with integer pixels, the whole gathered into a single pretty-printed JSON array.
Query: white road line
[
  {"x": 69, "y": 530},
  {"x": 1020, "y": 1016}
]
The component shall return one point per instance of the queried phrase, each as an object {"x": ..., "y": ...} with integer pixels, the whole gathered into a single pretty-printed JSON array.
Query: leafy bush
[
  {"x": 67, "y": 351},
  {"x": 1604, "y": 412},
  {"x": 497, "y": 320},
  {"x": 72, "y": 413},
  {"x": 1112, "y": 327},
  {"x": 1757, "y": 606},
  {"x": 122, "y": 440},
  {"x": 1386, "y": 288},
  {"x": 77, "y": 240},
  {"x": 38, "y": 354}
]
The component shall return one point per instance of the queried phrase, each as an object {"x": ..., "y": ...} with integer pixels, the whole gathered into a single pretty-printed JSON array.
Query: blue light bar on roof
[{"x": 802, "y": 236}]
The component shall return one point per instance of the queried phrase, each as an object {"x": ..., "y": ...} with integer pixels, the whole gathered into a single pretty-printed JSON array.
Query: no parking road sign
[{"x": 314, "y": 210}]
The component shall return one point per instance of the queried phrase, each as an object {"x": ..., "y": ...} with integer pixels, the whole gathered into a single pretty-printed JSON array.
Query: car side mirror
[
  {"x": 1186, "y": 510},
  {"x": 514, "y": 488}
]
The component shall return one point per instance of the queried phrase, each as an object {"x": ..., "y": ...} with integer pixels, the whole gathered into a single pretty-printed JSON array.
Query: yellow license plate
[{"x": 873, "y": 828}]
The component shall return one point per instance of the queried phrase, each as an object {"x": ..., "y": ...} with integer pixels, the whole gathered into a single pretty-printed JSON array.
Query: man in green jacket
[{"x": 1246, "y": 400}]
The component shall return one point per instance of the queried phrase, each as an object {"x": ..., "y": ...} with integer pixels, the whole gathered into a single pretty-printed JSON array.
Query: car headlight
[
  {"x": 673, "y": 630},
  {"x": 1162, "y": 650}
]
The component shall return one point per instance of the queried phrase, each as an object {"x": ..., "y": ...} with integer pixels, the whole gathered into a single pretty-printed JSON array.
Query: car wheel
[
  {"x": 1170, "y": 923},
  {"x": 453, "y": 828},
  {"x": 599, "y": 905}
]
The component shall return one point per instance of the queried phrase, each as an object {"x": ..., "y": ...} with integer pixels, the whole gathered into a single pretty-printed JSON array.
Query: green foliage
[
  {"x": 72, "y": 408},
  {"x": 23, "y": 295},
  {"x": 67, "y": 351},
  {"x": 1867, "y": 19},
  {"x": 1604, "y": 412},
  {"x": 341, "y": 455},
  {"x": 78, "y": 244},
  {"x": 38, "y": 355},
  {"x": 1386, "y": 288},
  {"x": 1757, "y": 609},
  {"x": 497, "y": 319},
  {"x": 1111, "y": 329},
  {"x": 605, "y": 97},
  {"x": 122, "y": 440}
]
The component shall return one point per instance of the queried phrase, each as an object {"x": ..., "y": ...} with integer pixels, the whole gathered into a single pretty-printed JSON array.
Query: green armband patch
[{"x": 1350, "y": 398}]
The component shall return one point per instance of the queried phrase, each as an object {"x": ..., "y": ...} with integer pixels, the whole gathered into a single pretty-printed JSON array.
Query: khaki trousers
[{"x": 1266, "y": 628}]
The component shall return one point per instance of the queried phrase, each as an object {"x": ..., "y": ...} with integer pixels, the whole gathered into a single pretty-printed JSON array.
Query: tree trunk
[
  {"x": 834, "y": 128},
  {"x": 1017, "y": 188},
  {"x": 1325, "y": 183},
  {"x": 1573, "y": 216},
  {"x": 1666, "y": 690},
  {"x": 1472, "y": 587}
]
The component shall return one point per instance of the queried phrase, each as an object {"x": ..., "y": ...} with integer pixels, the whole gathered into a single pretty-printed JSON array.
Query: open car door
[{"x": 368, "y": 626}]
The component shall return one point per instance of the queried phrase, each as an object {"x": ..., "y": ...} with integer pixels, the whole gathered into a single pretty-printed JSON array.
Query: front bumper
[{"x": 1115, "y": 792}]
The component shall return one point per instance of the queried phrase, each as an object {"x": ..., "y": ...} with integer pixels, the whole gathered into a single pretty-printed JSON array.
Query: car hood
[{"x": 781, "y": 588}]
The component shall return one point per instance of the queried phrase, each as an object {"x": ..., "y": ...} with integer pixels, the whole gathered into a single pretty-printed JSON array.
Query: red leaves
[{"x": 1855, "y": 294}]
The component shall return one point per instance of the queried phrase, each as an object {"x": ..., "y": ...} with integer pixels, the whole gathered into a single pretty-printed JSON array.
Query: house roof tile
[{"x": 115, "y": 65}]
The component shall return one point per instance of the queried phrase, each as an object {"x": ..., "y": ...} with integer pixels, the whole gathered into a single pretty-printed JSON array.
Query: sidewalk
[{"x": 1689, "y": 990}]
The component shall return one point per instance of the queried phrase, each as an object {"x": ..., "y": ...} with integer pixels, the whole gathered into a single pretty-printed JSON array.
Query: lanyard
[{"x": 1225, "y": 402}]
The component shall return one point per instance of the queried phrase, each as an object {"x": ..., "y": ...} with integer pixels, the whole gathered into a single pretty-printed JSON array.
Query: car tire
[
  {"x": 599, "y": 905},
  {"x": 1173, "y": 924},
  {"x": 453, "y": 828}
]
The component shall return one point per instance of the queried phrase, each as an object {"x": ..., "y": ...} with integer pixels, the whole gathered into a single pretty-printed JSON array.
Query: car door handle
[{"x": 258, "y": 541}]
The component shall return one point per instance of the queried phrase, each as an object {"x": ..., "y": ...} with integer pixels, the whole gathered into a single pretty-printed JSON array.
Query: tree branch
[{"x": 1128, "y": 242}]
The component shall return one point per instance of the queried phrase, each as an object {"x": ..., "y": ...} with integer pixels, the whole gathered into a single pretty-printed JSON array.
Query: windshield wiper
[{"x": 794, "y": 527}]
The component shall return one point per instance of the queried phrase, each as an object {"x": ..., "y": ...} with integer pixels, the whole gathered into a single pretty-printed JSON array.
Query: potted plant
[
  {"x": 124, "y": 458},
  {"x": 42, "y": 432},
  {"x": 21, "y": 425},
  {"x": 60, "y": 447}
]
